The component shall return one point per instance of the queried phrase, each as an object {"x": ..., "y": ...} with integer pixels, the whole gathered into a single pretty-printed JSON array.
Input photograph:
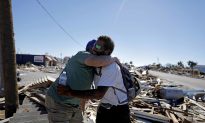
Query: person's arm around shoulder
[
  {"x": 83, "y": 94},
  {"x": 100, "y": 61}
]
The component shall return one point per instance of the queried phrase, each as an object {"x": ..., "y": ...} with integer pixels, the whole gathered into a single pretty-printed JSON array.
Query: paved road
[{"x": 182, "y": 80}]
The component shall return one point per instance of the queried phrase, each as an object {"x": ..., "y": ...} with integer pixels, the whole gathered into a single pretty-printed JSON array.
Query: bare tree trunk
[{"x": 8, "y": 57}]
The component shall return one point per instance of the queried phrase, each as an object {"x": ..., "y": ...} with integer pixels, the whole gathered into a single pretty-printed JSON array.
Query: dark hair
[{"x": 108, "y": 43}]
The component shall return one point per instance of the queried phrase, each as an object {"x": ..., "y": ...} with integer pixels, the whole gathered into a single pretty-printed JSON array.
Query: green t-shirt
[{"x": 79, "y": 77}]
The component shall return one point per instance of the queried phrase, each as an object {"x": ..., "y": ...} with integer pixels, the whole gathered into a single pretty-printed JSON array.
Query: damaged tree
[{"x": 7, "y": 47}]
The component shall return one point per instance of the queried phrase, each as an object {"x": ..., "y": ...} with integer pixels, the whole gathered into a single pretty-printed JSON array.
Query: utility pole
[
  {"x": 7, "y": 47},
  {"x": 158, "y": 60},
  {"x": 1, "y": 78},
  {"x": 61, "y": 58}
]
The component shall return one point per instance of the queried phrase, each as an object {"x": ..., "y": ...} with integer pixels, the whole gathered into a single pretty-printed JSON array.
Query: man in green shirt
[{"x": 79, "y": 76}]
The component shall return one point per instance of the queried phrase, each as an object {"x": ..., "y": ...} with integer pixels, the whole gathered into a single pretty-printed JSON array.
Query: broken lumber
[
  {"x": 174, "y": 119},
  {"x": 152, "y": 117},
  {"x": 29, "y": 95},
  {"x": 194, "y": 102}
]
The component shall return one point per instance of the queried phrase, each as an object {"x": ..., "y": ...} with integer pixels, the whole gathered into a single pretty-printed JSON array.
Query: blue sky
[{"x": 144, "y": 31}]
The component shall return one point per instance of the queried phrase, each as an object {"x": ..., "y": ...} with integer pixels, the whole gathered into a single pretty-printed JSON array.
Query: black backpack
[{"x": 131, "y": 84}]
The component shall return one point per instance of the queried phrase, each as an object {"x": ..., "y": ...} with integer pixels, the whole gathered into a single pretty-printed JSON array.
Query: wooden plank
[
  {"x": 142, "y": 109},
  {"x": 167, "y": 114},
  {"x": 174, "y": 119},
  {"x": 35, "y": 99},
  {"x": 184, "y": 107},
  {"x": 194, "y": 102},
  {"x": 40, "y": 96},
  {"x": 6, "y": 120},
  {"x": 152, "y": 117},
  {"x": 175, "y": 110},
  {"x": 184, "y": 119},
  {"x": 152, "y": 111}
]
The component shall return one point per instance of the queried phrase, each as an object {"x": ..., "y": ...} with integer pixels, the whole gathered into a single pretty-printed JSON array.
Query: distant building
[
  {"x": 201, "y": 68},
  {"x": 36, "y": 59},
  {"x": 50, "y": 60}
]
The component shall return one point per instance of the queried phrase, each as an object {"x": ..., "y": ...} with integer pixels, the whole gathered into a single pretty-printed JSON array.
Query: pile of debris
[
  {"x": 159, "y": 100},
  {"x": 162, "y": 101}
]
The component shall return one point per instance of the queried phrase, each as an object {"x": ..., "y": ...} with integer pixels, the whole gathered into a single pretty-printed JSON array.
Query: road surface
[{"x": 182, "y": 80}]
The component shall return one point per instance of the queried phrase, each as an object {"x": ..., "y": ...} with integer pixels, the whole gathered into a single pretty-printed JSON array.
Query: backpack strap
[
  {"x": 98, "y": 73},
  {"x": 126, "y": 100},
  {"x": 116, "y": 95}
]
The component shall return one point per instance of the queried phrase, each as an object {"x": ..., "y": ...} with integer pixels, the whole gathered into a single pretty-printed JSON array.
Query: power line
[{"x": 56, "y": 22}]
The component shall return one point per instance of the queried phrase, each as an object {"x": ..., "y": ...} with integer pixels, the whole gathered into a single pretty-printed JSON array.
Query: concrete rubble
[{"x": 159, "y": 100}]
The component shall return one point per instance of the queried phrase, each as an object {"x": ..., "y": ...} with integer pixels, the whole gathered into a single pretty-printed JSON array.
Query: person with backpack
[
  {"x": 110, "y": 89},
  {"x": 77, "y": 74}
]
